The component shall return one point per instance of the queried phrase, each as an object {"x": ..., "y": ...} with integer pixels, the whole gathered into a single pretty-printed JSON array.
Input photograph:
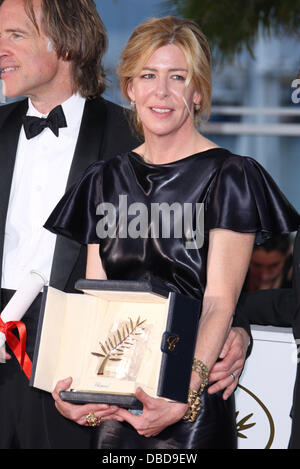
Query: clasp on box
[{"x": 169, "y": 342}]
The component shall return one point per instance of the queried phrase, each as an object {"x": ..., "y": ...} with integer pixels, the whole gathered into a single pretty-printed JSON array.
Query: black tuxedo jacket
[
  {"x": 278, "y": 307},
  {"x": 104, "y": 132}
]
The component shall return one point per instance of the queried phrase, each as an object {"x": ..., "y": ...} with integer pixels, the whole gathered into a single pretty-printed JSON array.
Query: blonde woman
[{"x": 165, "y": 73}]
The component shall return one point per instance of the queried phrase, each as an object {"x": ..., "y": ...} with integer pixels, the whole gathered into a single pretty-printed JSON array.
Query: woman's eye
[
  {"x": 148, "y": 76},
  {"x": 178, "y": 77}
]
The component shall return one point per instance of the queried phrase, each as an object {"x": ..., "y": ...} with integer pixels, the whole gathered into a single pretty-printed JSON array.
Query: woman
[{"x": 166, "y": 74}]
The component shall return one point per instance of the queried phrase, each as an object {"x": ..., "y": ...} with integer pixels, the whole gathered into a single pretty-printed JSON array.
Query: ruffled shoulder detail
[
  {"x": 75, "y": 215},
  {"x": 243, "y": 197}
]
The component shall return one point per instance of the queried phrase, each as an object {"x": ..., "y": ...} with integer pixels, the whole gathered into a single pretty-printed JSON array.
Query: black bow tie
[{"x": 33, "y": 126}]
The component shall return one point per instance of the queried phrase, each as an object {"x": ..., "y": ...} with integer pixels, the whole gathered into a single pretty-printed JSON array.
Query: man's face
[
  {"x": 266, "y": 267},
  {"x": 29, "y": 66}
]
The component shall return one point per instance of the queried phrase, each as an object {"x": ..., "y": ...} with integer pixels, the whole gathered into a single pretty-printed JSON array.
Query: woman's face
[{"x": 160, "y": 94}]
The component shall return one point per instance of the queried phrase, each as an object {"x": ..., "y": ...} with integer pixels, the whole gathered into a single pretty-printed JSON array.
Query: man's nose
[
  {"x": 3, "y": 47},
  {"x": 265, "y": 274}
]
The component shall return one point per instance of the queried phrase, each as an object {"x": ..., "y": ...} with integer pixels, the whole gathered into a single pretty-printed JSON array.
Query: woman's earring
[
  {"x": 197, "y": 107},
  {"x": 133, "y": 106}
]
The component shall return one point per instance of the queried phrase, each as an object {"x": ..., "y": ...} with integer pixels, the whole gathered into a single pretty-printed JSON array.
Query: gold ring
[{"x": 92, "y": 420}]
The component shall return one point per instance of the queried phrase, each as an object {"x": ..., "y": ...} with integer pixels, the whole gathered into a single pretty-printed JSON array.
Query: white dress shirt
[{"x": 39, "y": 181}]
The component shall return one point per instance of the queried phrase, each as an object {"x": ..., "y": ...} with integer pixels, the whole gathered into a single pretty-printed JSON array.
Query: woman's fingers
[{"x": 79, "y": 413}]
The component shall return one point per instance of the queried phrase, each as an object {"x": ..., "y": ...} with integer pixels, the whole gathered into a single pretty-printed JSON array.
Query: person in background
[
  {"x": 271, "y": 265},
  {"x": 165, "y": 73},
  {"x": 280, "y": 308}
]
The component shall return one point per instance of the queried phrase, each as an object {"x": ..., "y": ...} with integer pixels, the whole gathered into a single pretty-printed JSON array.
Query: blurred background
[{"x": 256, "y": 81}]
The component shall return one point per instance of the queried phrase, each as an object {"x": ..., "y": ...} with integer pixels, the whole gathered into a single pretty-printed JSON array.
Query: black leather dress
[{"x": 236, "y": 193}]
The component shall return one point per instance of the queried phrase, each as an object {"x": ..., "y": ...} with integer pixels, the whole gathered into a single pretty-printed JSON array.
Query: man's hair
[
  {"x": 282, "y": 243},
  {"x": 78, "y": 35},
  {"x": 158, "y": 32}
]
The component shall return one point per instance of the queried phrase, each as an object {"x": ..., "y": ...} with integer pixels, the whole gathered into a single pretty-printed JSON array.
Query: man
[
  {"x": 280, "y": 308},
  {"x": 270, "y": 265},
  {"x": 51, "y": 52},
  {"x": 52, "y": 57}
]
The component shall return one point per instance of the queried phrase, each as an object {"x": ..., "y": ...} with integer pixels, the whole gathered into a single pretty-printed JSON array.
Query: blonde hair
[{"x": 159, "y": 32}]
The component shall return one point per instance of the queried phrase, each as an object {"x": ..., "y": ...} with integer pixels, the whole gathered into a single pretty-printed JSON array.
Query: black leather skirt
[{"x": 215, "y": 428}]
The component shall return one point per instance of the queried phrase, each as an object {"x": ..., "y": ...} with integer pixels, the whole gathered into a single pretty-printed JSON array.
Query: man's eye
[{"x": 16, "y": 36}]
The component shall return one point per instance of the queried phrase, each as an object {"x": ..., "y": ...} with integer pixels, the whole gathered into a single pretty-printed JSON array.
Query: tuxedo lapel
[
  {"x": 9, "y": 138},
  {"x": 88, "y": 150}
]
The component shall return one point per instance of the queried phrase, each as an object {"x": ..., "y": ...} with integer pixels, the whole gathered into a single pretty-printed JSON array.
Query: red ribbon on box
[{"x": 17, "y": 346}]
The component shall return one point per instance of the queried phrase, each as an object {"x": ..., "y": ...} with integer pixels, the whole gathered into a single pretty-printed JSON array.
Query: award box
[{"x": 116, "y": 336}]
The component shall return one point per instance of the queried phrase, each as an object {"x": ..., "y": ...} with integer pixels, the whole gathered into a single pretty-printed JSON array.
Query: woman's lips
[{"x": 162, "y": 112}]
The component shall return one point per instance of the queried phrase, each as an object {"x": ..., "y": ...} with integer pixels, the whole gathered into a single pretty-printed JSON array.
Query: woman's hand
[
  {"x": 78, "y": 413},
  {"x": 226, "y": 372},
  {"x": 157, "y": 414}
]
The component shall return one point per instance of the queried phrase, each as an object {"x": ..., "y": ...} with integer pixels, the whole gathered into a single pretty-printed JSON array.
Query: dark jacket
[
  {"x": 104, "y": 132},
  {"x": 280, "y": 308}
]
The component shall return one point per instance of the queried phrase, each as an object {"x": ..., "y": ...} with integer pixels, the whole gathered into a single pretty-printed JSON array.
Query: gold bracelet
[
  {"x": 195, "y": 406},
  {"x": 194, "y": 397},
  {"x": 202, "y": 371}
]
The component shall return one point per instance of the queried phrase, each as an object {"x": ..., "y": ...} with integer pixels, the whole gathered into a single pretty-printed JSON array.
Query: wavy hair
[{"x": 159, "y": 32}]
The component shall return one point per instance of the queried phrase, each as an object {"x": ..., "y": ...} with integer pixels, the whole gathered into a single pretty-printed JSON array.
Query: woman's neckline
[{"x": 180, "y": 160}]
